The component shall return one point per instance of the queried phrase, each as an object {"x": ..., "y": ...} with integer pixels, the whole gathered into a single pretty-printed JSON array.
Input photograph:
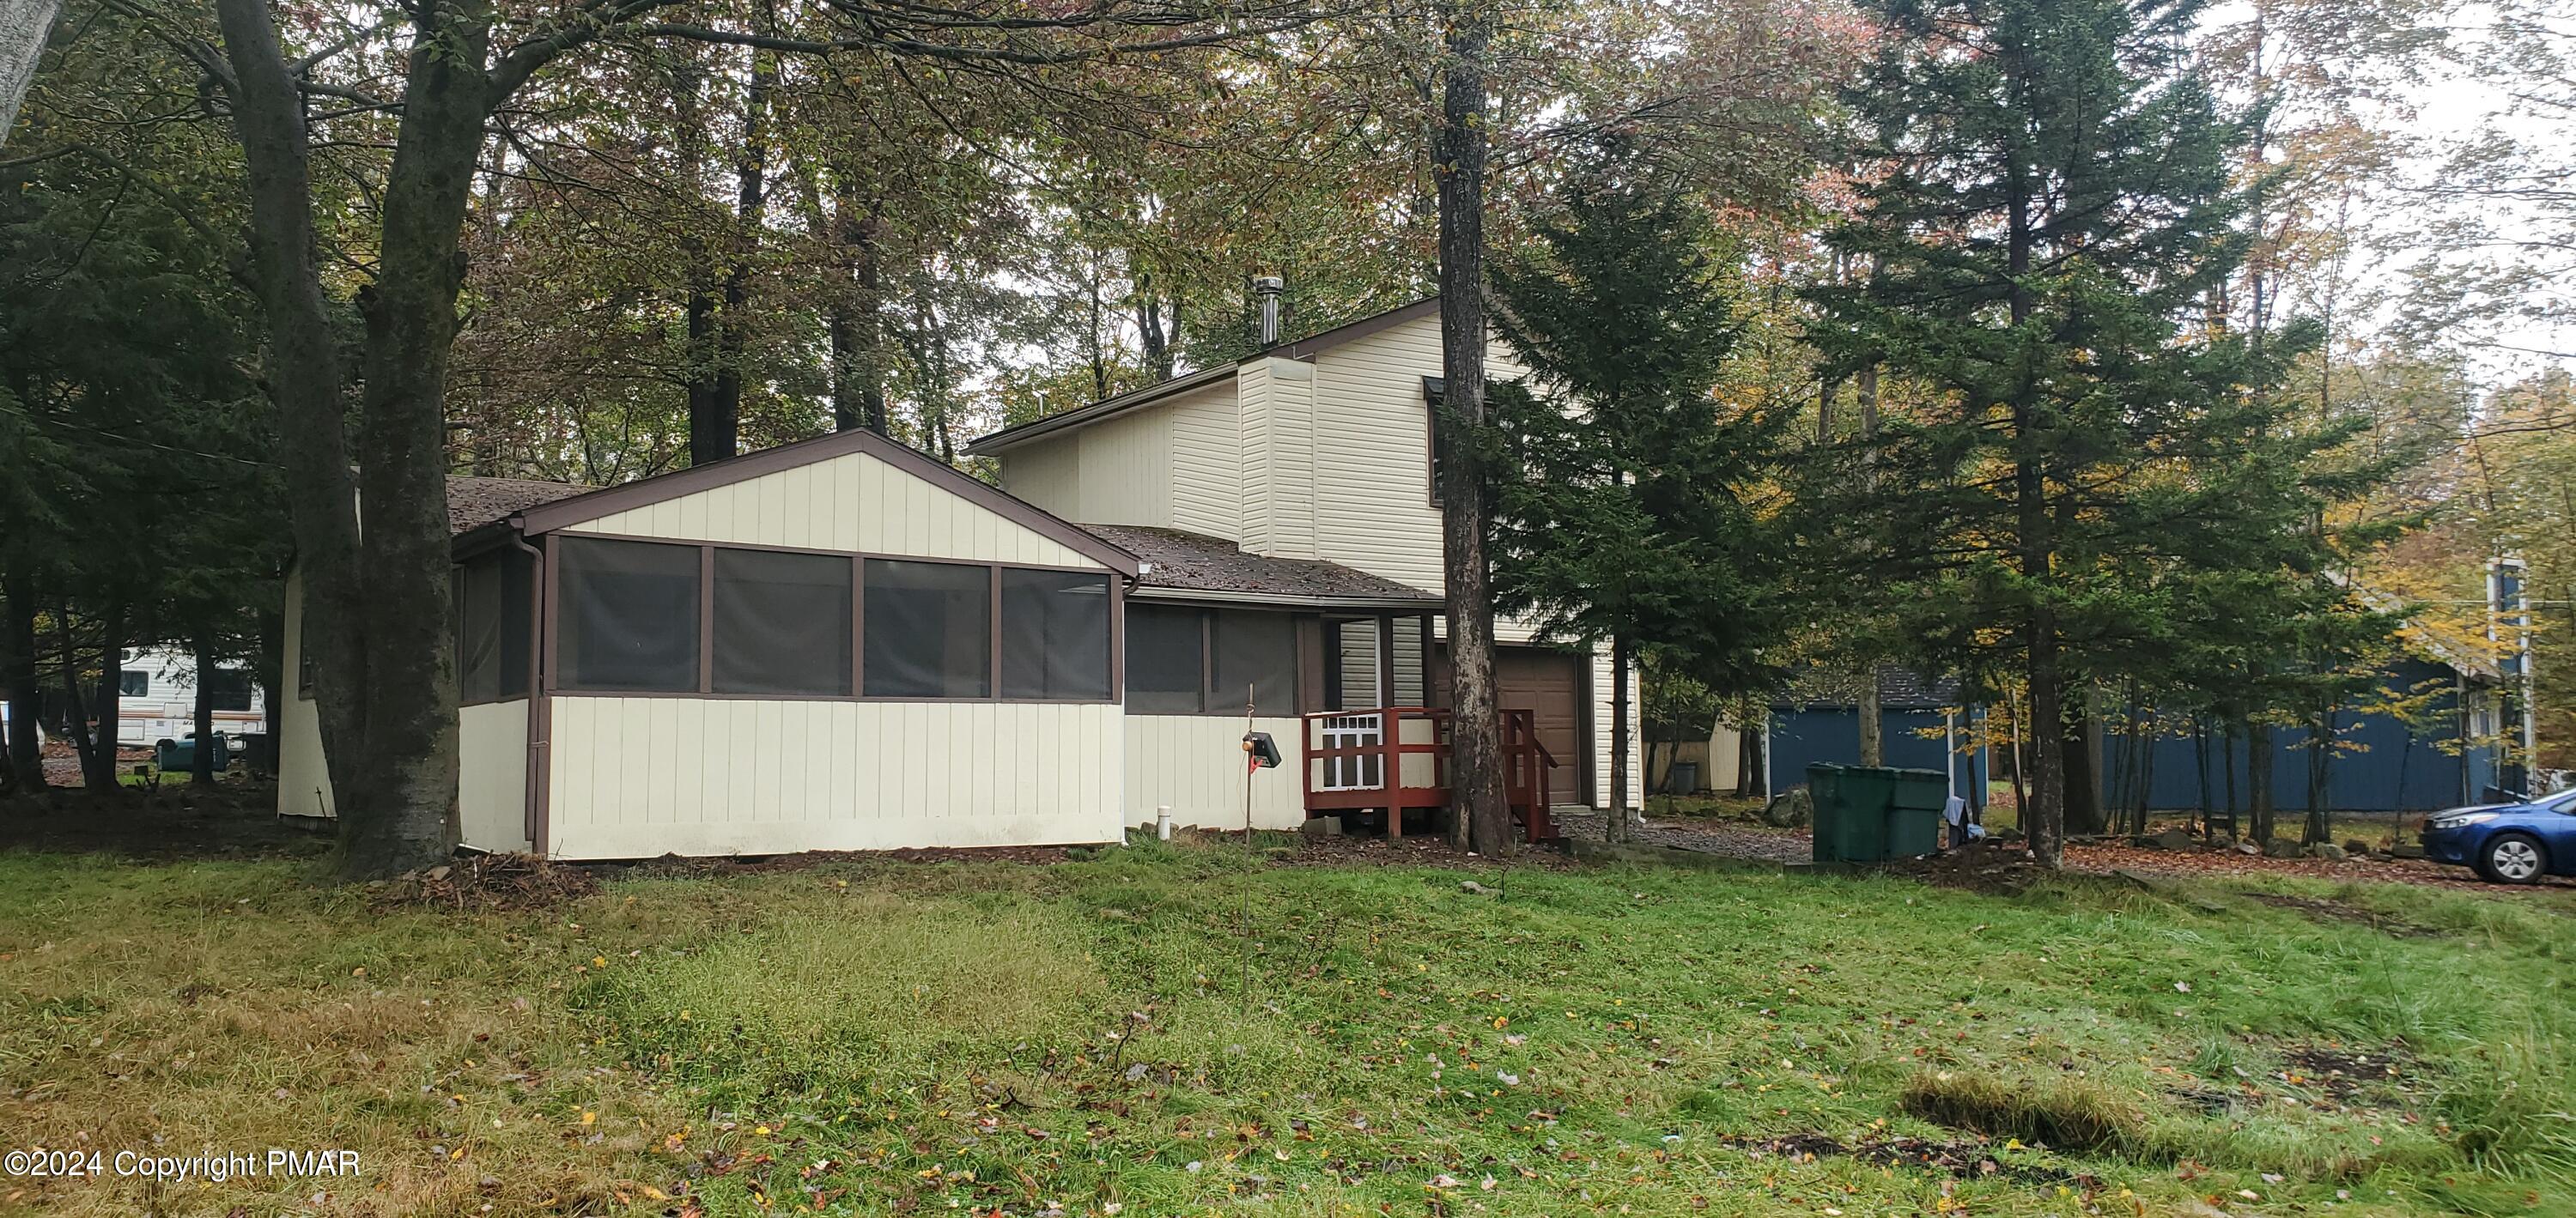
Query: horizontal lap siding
[
  {"x": 1194, "y": 764},
  {"x": 1373, "y": 488},
  {"x": 1126, "y": 470},
  {"x": 1047, "y": 473},
  {"x": 492, "y": 775},
  {"x": 641, "y": 777},
  {"x": 850, "y": 502}
]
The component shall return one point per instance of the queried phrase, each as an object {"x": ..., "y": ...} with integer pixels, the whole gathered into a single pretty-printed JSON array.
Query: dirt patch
[
  {"x": 1990, "y": 867},
  {"x": 2345, "y": 1071},
  {"x": 2326, "y": 909},
  {"x": 1965, "y": 1160},
  {"x": 675, "y": 866},
  {"x": 485, "y": 883}
]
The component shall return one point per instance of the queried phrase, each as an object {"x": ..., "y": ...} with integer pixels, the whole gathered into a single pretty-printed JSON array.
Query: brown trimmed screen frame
[{"x": 552, "y": 687}]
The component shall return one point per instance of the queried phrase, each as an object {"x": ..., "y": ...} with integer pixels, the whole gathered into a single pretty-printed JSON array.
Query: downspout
[{"x": 533, "y": 804}]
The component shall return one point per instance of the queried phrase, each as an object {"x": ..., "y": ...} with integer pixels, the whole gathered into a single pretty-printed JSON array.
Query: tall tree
[
  {"x": 1630, "y": 498},
  {"x": 1480, "y": 811},
  {"x": 2047, "y": 203}
]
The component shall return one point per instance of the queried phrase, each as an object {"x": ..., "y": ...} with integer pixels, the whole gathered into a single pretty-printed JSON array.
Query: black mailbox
[{"x": 1260, "y": 752}]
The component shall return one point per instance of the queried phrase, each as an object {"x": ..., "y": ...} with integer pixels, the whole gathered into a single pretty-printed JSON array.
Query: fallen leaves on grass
[{"x": 485, "y": 882}]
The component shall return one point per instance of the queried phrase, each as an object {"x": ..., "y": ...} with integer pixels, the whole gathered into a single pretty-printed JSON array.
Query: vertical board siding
[
  {"x": 492, "y": 775},
  {"x": 777, "y": 777},
  {"x": 1207, "y": 462},
  {"x": 1126, "y": 470},
  {"x": 303, "y": 776},
  {"x": 1252, "y": 401},
  {"x": 850, "y": 502},
  {"x": 1194, "y": 763},
  {"x": 1291, "y": 458}
]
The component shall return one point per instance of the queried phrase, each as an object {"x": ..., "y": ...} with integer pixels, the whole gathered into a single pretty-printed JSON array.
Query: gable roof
[
  {"x": 1300, "y": 349},
  {"x": 474, "y": 502},
  {"x": 549, "y": 513},
  {"x": 1181, "y": 564}
]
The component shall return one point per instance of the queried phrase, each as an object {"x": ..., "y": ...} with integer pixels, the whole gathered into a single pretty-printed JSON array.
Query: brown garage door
[{"x": 1551, "y": 685}]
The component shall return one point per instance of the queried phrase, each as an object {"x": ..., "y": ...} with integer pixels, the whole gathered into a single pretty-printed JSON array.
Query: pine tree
[
  {"x": 2047, "y": 211},
  {"x": 1628, "y": 492}
]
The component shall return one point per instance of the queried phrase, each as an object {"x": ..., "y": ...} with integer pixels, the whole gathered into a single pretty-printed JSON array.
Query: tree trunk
[
  {"x": 2258, "y": 772},
  {"x": 2084, "y": 812},
  {"x": 201, "y": 759},
  {"x": 1873, "y": 721},
  {"x": 98, "y": 770},
  {"x": 377, "y": 606},
  {"x": 2320, "y": 826},
  {"x": 1153, "y": 332},
  {"x": 24, "y": 27},
  {"x": 751, "y": 191},
  {"x": 1480, "y": 814},
  {"x": 1749, "y": 744},
  {"x": 26, "y": 701},
  {"x": 1622, "y": 654},
  {"x": 858, "y": 319},
  {"x": 75, "y": 707}
]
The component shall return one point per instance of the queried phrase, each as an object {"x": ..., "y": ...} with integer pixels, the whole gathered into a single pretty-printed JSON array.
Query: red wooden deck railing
[{"x": 1355, "y": 760}]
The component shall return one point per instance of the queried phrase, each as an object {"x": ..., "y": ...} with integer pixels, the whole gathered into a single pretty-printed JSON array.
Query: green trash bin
[
  {"x": 1915, "y": 800},
  {"x": 1869, "y": 814}
]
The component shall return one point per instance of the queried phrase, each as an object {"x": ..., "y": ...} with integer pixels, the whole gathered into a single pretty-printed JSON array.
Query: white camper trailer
[{"x": 157, "y": 698}]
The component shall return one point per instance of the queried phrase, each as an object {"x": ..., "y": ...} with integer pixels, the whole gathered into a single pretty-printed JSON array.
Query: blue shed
[
  {"x": 1817, "y": 719},
  {"x": 2438, "y": 753}
]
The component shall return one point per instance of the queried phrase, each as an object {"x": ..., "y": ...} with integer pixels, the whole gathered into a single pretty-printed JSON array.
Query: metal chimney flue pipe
[{"x": 1267, "y": 288}]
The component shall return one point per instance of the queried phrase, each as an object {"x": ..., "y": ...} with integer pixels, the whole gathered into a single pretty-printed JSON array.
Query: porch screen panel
[
  {"x": 629, "y": 619},
  {"x": 476, "y": 589},
  {"x": 1164, "y": 674},
  {"x": 1055, "y": 635},
  {"x": 929, "y": 629},
  {"x": 782, "y": 623},
  {"x": 1258, "y": 650},
  {"x": 518, "y": 634},
  {"x": 492, "y": 635}
]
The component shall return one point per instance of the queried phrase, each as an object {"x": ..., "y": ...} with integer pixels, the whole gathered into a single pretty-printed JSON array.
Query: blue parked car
[{"x": 2508, "y": 843}]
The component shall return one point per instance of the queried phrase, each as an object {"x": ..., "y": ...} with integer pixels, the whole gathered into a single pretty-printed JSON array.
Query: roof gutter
[{"x": 1430, "y": 604}]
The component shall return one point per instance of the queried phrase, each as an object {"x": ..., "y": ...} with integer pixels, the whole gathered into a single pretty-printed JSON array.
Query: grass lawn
[{"x": 885, "y": 1038}]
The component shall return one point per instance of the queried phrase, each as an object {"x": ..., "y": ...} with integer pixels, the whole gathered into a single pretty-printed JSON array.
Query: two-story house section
[{"x": 1285, "y": 509}]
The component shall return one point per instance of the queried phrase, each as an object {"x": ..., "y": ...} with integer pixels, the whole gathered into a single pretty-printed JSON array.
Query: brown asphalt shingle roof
[
  {"x": 1189, "y": 561},
  {"x": 475, "y": 502}
]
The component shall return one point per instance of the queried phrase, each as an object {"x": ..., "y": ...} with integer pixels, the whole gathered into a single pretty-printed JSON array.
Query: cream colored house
[
  {"x": 839, "y": 644},
  {"x": 1298, "y": 483},
  {"x": 843, "y": 644}
]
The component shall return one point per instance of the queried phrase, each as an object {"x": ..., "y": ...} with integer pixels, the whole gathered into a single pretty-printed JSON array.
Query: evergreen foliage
[{"x": 2101, "y": 478}]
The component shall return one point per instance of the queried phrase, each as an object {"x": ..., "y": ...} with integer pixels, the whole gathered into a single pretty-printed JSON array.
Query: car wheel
[{"x": 2512, "y": 858}]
